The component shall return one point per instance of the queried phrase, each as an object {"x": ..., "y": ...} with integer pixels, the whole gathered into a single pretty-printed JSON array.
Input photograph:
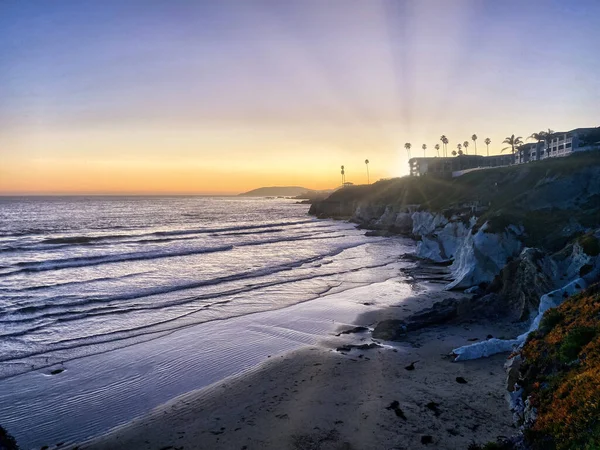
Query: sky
[{"x": 125, "y": 97}]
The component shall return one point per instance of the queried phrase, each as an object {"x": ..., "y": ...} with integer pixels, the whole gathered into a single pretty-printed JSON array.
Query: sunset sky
[{"x": 126, "y": 96}]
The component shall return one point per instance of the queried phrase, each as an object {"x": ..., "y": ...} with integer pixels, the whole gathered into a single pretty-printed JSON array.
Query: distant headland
[{"x": 287, "y": 191}]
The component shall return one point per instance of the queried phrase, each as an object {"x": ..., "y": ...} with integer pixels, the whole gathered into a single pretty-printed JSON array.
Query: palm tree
[
  {"x": 454, "y": 152},
  {"x": 459, "y": 147},
  {"x": 367, "y": 164},
  {"x": 548, "y": 136},
  {"x": 488, "y": 141},
  {"x": 444, "y": 140},
  {"x": 521, "y": 152},
  {"x": 437, "y": 149},
  {"x": 343, "y": 176},
  {"x": 407, "y": 146},
  {"x": 513, "y": 142},
  {"x": 474, "y": 139},
  {"x": 424, "y": 147},
  {"x": 466, "y": 145},
  {"x": 541, "y": 136}
]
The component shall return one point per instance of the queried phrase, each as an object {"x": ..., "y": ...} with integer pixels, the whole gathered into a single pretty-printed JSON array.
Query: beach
[
  {"x": 136, "y": 341},
  {"x": 326, "y": 397}
]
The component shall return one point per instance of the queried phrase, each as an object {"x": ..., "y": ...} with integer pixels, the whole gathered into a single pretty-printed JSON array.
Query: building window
[
  {"x": 568, "y": 145},
  {"x": 560, "y": 147}
]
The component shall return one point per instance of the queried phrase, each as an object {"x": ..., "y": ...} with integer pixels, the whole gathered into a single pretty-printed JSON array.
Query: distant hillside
[{"x": 276, "y": 191}]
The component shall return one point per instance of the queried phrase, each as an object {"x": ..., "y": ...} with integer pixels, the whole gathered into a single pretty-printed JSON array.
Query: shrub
[
  {"x": 585, "y": 269},
  {"x": 551, "y": 318},
  {"x": 590, "y": 245},
  {"x": 574, "y": 341}
]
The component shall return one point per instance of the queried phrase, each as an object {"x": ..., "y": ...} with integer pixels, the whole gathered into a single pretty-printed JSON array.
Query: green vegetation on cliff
[{"x": 561, "y": 375}]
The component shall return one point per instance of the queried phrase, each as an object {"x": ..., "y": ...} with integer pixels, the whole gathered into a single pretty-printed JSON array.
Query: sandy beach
[{"x": 324, "y": 397}]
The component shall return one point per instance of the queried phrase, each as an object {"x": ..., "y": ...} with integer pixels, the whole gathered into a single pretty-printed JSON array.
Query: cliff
[
  {"x": 494, "y": 227},
  {"x": 525, "y": 240}
]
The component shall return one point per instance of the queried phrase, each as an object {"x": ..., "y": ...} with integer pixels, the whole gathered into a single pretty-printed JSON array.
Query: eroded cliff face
[
  {"x": 510, "y": 235},
  {"x": 477, "y": 254}
]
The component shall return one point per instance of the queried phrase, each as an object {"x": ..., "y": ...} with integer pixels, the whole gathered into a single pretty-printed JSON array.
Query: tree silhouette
[
  {"x": 437, "y": 149},
  {"x": 459, "y": 147},
  {"x": 343, "y": 176},
  {"x": 424, "y": 147},
  {"x": 549, "y": 136},
  {"x": 466, "y": 145},
  {"x": 454, "y": 152},
  {"x": 367, "y": 164},
  {"x": 407, "y": 146},
  {"x": 474, "y": 139},
  {"x": 513, "y": 142},
  {"x": 488, "y": 141},
  {"x": 444, "y": 140}
]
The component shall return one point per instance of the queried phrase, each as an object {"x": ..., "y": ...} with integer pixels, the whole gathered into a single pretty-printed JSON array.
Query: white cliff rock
[
  {"x": 552, "y": 300},
  {"x": 493, "y": 346},
  {"x": 484, "y": 349},
  {"x": 429, "y": 248},
  {"x": 481, "y": 257},
  {"x": 387, "y": 219},
  {"x": 425, "y": 223}
]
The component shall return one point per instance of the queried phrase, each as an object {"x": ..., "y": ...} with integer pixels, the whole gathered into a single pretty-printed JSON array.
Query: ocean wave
[
  {"x": 81, "y": 261},
  {"x": 147, "y": 238},
  {"x": 54, "y": 304},
  {"x": 159, "y": 326}
]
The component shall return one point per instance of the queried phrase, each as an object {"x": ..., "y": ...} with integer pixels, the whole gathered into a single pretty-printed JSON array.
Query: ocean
[{"x": 85, "y": 276}]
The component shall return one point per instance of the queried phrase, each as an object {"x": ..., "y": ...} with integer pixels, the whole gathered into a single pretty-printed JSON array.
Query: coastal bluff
[
  {"x": 525, "y": 242},
  {"x": 513, "y": 233}
]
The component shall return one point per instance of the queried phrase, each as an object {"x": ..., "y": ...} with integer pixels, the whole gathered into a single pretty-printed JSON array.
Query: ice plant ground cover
[{"x": 561, "y": 375}]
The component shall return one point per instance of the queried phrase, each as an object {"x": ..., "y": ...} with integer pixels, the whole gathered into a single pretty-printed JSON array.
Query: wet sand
[{"x": 321, "y": 398}]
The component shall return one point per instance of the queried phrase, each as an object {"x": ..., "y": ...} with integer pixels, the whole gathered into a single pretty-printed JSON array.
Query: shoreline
[
  {"x": 318, "y": 397},
  {"x": 40, "y": 408}
]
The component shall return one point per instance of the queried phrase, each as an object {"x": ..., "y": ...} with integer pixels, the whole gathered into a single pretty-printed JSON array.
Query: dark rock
[
  {"x": 441, "y": 312},
  {"x": 347, "y": 348},
  {"x": 520, "y": 285},
  {"x": 7, "y": 442},
  {"x": 411, "y": 366},
  {"x": 426, "y": 440},
  {"x": 383, "y": 233},
  {"x": 353, "y": 330},
  {"x": 395, "y": 406},
  {"x": 56, "y": 371},
  {"x": 461, "y": 380},
  {"x": 433, "y": 406}
]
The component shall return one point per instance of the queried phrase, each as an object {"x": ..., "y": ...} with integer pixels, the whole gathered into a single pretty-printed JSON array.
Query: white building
[{"x": 561, "y": 144}]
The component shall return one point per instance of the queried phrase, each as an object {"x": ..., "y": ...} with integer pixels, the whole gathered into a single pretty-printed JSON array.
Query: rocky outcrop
[
  {"x": 500, "y": 229},
  {"x": 522, "y": 282},
  {"x": 482, "y": 255}
]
